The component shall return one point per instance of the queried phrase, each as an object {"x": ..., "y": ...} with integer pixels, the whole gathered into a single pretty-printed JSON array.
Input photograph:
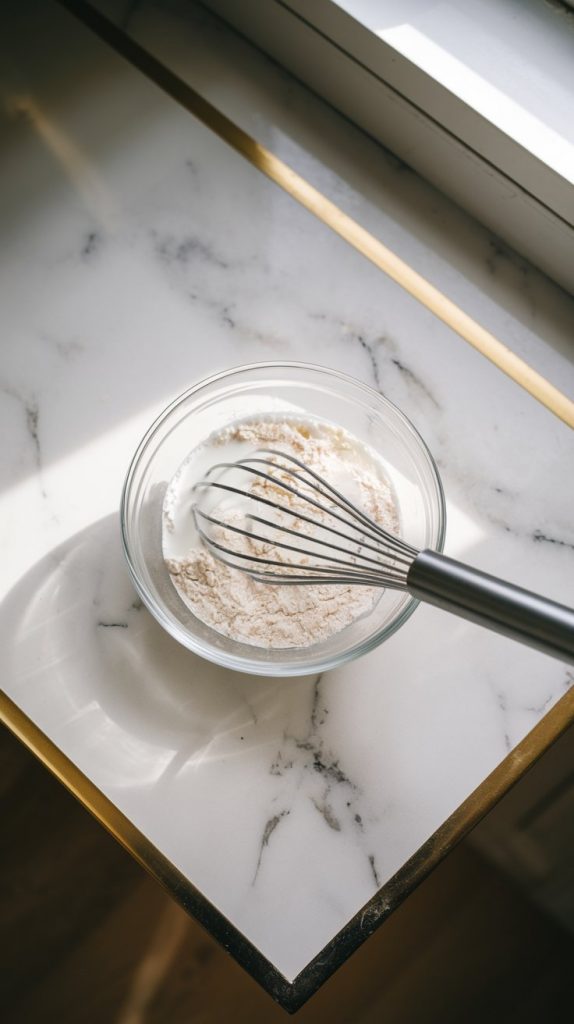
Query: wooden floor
[{"x": 88, "y": 938}]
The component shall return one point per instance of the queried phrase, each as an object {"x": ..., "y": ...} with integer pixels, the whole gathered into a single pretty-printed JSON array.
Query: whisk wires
[{"x": 369, "y": 555}]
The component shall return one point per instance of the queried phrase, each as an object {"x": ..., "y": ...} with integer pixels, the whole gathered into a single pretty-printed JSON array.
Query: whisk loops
[{"x": 277, "y": 520}]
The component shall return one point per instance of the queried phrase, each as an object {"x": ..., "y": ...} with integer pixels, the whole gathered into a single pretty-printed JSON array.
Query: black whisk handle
[{"x": 493, "y": 603}]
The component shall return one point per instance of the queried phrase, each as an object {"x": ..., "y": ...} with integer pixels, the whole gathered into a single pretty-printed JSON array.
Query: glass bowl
[{"x": 244, "y": 391}]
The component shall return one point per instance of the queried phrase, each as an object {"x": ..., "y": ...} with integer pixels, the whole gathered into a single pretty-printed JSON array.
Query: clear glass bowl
[{"x": 211, "y": 405}]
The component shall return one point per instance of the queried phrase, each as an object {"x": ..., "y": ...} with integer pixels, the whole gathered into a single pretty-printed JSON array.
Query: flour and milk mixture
[{"x": 263, "y": 614}]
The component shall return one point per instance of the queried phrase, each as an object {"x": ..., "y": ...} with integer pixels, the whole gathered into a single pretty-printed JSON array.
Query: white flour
[{"x": 231, "y": 602}]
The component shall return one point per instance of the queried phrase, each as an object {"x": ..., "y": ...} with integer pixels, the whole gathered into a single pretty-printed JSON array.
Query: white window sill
[{"x": 478, "y": 97}]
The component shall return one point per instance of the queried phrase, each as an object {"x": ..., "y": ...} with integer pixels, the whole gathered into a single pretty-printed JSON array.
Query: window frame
[{"x": 524, "y": 200}]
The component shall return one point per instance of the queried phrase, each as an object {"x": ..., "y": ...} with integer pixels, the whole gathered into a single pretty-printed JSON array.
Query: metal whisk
[{"x": 311, "y": 534}]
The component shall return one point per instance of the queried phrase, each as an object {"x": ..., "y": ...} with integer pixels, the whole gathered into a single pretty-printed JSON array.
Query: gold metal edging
[
  {"x": 177, "y": 885},
  {"x": 105, "y": 812},
  {"x": 326, "y": 211},
  {"x": 292, "y": 995},
  {"x": 431, "y": 853}
]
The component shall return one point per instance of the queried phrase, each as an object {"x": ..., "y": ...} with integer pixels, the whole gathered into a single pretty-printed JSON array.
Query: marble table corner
[{"x": 140, "y": 253}]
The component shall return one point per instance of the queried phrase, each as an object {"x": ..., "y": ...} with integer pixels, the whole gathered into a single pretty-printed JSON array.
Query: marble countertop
[{"x": 139, "y": 254}]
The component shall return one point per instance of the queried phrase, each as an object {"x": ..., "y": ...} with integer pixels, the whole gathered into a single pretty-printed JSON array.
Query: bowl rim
[{"x": 244, "y": 664}]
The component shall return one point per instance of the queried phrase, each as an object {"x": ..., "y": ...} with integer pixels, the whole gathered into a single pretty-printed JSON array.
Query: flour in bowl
[{"x": 230, "y": 601}]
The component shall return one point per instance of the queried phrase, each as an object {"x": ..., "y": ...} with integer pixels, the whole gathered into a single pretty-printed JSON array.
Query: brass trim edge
[
  {"x": 326, "y": 211},
  {"x": 177, "y": 885},
  {"x": 292, "y": 995}
]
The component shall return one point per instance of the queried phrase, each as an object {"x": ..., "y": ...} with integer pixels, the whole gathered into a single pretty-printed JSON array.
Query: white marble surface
[{"x": 139, "y": 254}]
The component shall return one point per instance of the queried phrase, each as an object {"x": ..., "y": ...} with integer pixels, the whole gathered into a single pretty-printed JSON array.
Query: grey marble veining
[{"x": 140, "y": 254}]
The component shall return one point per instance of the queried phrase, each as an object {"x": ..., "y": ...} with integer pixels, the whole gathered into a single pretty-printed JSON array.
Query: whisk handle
[{"x": 493, "y": 603}]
